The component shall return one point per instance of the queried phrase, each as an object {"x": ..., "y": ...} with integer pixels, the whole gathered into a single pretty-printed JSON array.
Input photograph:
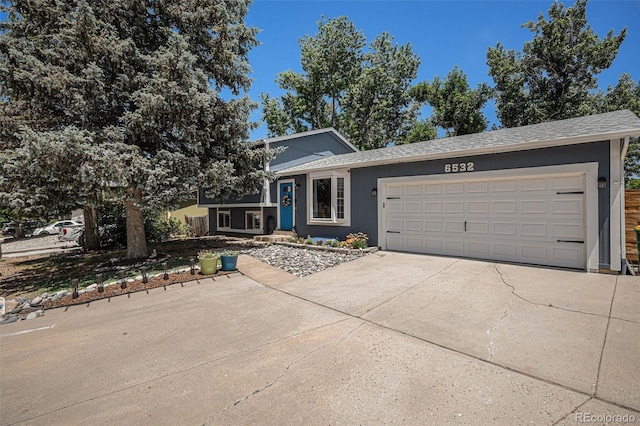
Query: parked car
[
  {"x": 9, "y": 229},
  {"x": 71, "y": 233},
  {"x": 56, "y": 227}
]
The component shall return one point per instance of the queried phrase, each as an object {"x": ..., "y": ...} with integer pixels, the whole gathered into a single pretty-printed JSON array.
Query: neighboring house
[
  {"x": 545, "y": 194},
  {"x": 272, "y": 206}
]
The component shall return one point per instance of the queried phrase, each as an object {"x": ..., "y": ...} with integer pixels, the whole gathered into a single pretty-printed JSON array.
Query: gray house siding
[
  {"x": 238, "y": 218},
  {"x": 307, "y": 148},
  {"x": 364, "y": 208}
]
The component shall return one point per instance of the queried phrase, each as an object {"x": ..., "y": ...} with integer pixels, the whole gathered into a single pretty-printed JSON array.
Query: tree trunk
[
  {"x": 136, "y": 238},
  {"x": 91, "y": 233}
]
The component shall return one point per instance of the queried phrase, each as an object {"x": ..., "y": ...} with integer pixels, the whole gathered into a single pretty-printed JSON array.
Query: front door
[{"x": 285, "y": 205}]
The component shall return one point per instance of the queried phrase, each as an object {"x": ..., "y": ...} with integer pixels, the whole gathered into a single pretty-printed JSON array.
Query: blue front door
[{"x": 286, "y": 206}]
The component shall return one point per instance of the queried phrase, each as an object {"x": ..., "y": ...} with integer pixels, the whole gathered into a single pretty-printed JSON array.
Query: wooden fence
[
  {"x": 632, "y": 218},
  {"x": 198, "y": 225}
]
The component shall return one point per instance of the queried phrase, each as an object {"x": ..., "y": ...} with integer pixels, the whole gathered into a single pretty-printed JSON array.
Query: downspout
[{"x": 623, "y": 243}]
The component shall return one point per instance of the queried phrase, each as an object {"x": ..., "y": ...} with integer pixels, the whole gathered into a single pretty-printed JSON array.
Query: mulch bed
[{"x": 115, "y": 290}]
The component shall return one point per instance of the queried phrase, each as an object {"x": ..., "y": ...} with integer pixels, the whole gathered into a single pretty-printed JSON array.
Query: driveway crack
[
  {"x": 490, "y": 332},
  {"x": 531, "y": 302},
  {"x": 293, "y": 363}
]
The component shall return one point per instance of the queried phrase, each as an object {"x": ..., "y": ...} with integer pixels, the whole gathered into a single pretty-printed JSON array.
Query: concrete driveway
[{"x": 389, "y": 338}]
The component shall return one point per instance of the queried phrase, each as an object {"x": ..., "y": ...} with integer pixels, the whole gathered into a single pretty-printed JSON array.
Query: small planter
[
  {"x": 209, "y": 266},
  {"x": 229, "y": 262}
]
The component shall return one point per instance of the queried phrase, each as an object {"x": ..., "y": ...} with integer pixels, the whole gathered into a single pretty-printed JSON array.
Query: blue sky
[{"x": 442, "y": 33}]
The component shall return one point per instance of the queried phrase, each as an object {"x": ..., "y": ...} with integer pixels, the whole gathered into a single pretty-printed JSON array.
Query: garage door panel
[
  {"x": 504, "y": 186},
  {"x": 567, "y": 231},
  {"x": 539, "y": 184},
  {"x": 516, "y": 219},
  {"x": 480, "y": 207},
  {"x": 537, "y": 230},
  {"x": 504, "y": 228},
  {"x": 413, "y": 225},
  {"x": 533, "y": 206},
  {"x": 395, "y": 207},
  {"x": 504, "y": 207},
  {"x": 413, "y": 207},
  {"x": 452, "y": 207},
  {"x": 432, "y": 225},
  {"x": 478, "y": 227},
  {"x": 567, "y": 207},
  {"x": 478, "y": 248},
  {"x": 413, "y": 190},
  {"x": 456, "y": 226}
]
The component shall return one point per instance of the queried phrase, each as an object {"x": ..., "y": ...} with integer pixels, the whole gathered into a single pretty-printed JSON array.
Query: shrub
[{"x": 357, "y": 241}]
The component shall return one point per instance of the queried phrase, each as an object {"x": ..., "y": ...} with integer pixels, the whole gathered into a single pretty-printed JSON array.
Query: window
[
  {"x": 328, "y": 198},
  {"x": 252, "y": 221},
  {"x": 224, "y": 219}
]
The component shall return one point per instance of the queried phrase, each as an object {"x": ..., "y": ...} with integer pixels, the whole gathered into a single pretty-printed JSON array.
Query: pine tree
[{"x": 134, "y": 88}]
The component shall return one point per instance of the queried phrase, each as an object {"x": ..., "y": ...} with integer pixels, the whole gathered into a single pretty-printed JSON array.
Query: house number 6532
[{"x": 458, "y": 167}]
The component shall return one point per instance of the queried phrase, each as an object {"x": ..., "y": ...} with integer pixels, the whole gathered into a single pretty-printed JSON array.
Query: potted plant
[
  {"x": 229, "y": 260},
  {"x": 208, "y": 262}
]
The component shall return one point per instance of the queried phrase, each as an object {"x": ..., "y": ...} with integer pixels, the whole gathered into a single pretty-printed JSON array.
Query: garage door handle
[
  {"x": 571, "y": 241},
  {"x": 465, "y": 226},
  {"x": 393, "y": 232}
]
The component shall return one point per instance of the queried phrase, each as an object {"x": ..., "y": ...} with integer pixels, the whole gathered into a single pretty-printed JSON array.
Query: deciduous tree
[
  {"x": 554, "y": 75},
  {"x": 456, "y": 107},
  {"x": 361, "y": 92}
]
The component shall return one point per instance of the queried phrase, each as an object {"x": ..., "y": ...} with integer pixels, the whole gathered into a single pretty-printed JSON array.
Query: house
[
  {"x": 272, "y": 205},
  {"x": 545, "y": 194}
]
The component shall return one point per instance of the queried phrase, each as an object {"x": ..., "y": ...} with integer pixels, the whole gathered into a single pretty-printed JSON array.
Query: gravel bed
[{"x": 301, "y": 261}]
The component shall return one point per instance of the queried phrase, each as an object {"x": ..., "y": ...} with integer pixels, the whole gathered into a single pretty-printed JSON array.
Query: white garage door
[{"x": 538, "y": 220}]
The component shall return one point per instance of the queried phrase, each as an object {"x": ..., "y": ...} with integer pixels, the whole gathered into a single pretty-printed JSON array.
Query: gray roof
[{"x": 590, "y": 128}]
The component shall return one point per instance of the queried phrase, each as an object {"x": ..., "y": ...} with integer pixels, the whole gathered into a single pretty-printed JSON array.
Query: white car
[
  {"x": 71, "y": 233},
  {"x": 55, "y": 227}
]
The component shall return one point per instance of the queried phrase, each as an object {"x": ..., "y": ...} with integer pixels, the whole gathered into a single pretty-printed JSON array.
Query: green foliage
[
  {"x": 552, "y": 78},
  {"x": 625, "y": 95},
  {"x": 420, "y": 131},
  {"x": 207, "y": 254},
  {"x": 121, "y": 99},
  {"x": 161, "y": 229},
  {"x": 362, "y": 93},
  {"x": 633, "y": 184},
  {"x": 456, "y": 107}
]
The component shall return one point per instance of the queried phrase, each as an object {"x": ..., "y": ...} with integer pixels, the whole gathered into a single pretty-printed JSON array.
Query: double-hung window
[{"x": 328, "y": 198}]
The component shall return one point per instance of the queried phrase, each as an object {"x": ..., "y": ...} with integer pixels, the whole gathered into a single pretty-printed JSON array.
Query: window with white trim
[
  {"x": 252, "y": 221},
  {"x": 224, "y": 219},
  {"x": 328, "y": 198}
]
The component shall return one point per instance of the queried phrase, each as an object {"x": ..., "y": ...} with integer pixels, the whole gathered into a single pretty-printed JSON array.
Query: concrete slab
[
  {"x": 86, "y": 352},
  {"x": 600, "y": 413},
  {"x": 620, "y": 371},
  {"x": 626, "y": 305},
  {"x": 469, "y": 308},
  {"x": 358, "y": 286},
  {"x": 262, "y": 272}
]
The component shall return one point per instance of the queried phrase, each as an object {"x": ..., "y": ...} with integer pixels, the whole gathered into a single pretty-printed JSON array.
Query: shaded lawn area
[{"x": 30, "y": 276}]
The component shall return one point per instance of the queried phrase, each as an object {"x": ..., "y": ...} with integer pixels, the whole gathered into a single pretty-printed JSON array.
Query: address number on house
[{"x": 459, "y": 167}]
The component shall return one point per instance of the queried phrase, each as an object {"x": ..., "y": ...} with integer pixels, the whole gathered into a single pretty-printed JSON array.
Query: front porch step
[
  {"x": 287, "y": 233},
  {"x": 272, "y": 238}
]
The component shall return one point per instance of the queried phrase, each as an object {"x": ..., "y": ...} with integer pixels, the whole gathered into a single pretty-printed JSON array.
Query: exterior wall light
[
  {"x": 602, "y": 182},
  {"x": 374, "y": 192}
]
